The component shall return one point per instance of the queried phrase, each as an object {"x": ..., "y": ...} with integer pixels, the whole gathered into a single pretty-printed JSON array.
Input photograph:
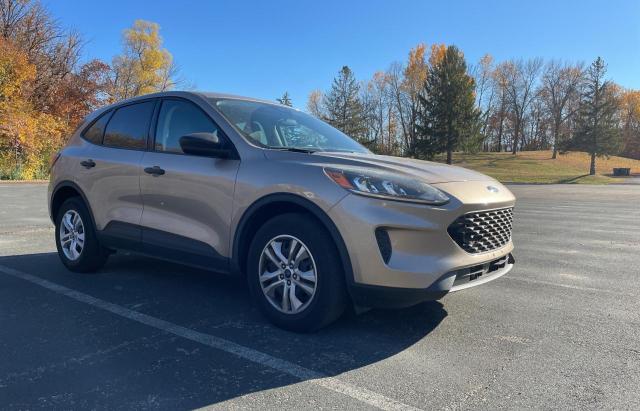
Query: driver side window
[{"x": 178, "y": 118}]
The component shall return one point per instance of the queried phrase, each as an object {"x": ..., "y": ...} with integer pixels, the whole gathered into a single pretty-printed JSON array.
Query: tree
[
  {"x": 403, "y": 106},
  {"x": 597, "y": 124},
  {"x": 27, "y": 136},
  {"x": 83, "y": 91},
  {"x": 448, "y": 115},
  {"x": 52, "y": 51},
  {"x": 314, "y": 104},
  {"x": 45, "y": 92},
  {"x": 560, "y": 83},
  {"x": 520, "y": 78},
  {"x": 485, "y": 91},
  {"x": 342, "y": 104},
  {"x": 380, "y": 114},
  {"x": 285, "y": 100},
  {"x": 144, "y": 66},
  {"x": 500, "y": 114},
  {"x": 415, "y": 74},
  {"x": 631, "y": 123}
]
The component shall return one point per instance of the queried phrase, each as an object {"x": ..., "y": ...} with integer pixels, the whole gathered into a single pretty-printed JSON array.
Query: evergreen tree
[
  {"x": 597, "y": 130},
  {"x": 344, "y": 109},
  {"x": 285, "y": 100},
  {"x": 448, "y": 117}
]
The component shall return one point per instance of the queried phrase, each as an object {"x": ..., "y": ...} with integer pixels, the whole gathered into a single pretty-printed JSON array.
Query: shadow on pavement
[{"x": 172, "y": 371}]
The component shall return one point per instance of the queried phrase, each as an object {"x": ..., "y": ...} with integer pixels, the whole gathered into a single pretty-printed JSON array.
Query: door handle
[
  {"x": 88, "y": 163},
  {"x": 154, "y": 171}
]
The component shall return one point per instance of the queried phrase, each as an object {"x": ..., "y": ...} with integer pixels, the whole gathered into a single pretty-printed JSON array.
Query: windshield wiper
[{"x": 295, "y": 149}]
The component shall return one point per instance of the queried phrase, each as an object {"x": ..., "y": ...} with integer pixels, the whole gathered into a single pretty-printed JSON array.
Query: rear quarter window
[{"x": 95, "y": 132}]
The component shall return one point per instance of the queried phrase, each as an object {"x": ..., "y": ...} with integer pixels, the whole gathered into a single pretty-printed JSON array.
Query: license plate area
[{"x": 473, "y": 273}]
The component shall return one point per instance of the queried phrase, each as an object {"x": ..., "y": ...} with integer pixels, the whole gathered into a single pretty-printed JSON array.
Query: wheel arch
[
  {"x": 274, "y": 204},
  {"x": 63, "y": 191}
]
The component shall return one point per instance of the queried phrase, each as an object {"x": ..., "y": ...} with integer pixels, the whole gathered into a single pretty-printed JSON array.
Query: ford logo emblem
[{"x": 492, "y": 189}]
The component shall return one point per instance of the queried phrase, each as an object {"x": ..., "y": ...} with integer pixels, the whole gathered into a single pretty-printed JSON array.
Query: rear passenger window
[
  {"x": 178, "y": 118},
  {"x": 94, "y": 133},
  {"x": 129, "y": 125}
]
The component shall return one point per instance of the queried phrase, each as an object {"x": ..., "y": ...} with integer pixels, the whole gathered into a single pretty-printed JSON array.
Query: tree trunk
[
  {"x": 592, "y": 168},
  {"x": 556, "y": 131},
  {"x": 516, "y": 135},
  {"x": 500, "y": 135},
  {"x": 450, "y": 142}
]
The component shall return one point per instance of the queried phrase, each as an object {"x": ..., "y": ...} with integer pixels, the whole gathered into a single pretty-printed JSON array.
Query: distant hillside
[{"x": 538, "y": 167}]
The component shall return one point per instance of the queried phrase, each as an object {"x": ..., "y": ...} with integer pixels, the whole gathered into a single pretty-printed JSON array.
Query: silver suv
[{"x": 312, "y": 219}]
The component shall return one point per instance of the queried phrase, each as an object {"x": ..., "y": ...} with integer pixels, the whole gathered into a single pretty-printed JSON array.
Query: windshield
[{"x": 280, "y": 127}]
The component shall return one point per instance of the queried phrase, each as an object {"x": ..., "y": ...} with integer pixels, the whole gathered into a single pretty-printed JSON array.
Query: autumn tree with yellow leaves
[
  {"x": 45, "y": 92},
  {"x": 144, "y": 66},
  {"x": 36, "y": 72}
]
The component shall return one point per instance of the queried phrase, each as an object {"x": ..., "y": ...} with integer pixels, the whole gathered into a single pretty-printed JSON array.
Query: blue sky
[{"x": 262, "y": 48}]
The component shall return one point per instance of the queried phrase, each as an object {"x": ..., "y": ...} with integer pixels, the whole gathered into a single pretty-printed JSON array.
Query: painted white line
[{"x": 304, "y": 374}]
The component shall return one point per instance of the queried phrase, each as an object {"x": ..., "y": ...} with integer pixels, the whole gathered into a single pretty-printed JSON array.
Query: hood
[{"x": 428, "y": 171}]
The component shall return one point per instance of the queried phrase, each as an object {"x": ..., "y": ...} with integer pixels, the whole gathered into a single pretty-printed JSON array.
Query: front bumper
[
  {"x": 423, "y": 253},
  {"x": 395, "y": 297}
]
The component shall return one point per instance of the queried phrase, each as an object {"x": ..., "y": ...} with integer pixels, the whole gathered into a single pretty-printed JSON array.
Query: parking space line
[{"x": 303, "y": 374}]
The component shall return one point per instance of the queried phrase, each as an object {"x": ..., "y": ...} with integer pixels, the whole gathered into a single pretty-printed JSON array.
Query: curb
[{"x": 17, "y": 182}]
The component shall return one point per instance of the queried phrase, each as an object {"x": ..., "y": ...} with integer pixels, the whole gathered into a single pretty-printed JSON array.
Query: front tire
[
  {"x": 76, "y": 240},
  {"x": 295, "y": 274}
]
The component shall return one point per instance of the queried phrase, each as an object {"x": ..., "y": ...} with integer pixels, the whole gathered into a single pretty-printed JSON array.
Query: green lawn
[{"x": 538, "y": 167}]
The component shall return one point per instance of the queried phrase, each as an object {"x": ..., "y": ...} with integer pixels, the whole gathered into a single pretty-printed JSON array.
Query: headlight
[{"x": 382, "y": 184}]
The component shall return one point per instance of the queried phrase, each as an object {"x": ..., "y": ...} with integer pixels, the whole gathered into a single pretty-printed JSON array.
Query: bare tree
[
  {"x": 560, "y": 83},
  {"x": 485, "y": 90},
  {"x": 521, "y": 77},
  {"x": 406, "y": 83},
  {"x": 537, "y": 124},
  {"x": 314, "y": 104},
  {"x": 377, "y": 104},
  {"x": 402, "y": 105},
  {"x": 500, "y": 113}
]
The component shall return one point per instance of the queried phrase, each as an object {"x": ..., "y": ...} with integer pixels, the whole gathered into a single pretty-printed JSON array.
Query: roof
[{"x": 179, "y": 93}]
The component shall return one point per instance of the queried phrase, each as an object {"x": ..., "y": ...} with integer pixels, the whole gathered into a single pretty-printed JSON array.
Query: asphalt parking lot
[{"x": 560, "y": 331}]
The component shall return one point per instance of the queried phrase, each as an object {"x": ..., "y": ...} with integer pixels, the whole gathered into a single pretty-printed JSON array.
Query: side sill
[{"x": 163, "y": 246}]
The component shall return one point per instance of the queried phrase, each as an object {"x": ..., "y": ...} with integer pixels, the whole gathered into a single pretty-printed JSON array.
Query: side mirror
[{"x": 203, "y": 144}]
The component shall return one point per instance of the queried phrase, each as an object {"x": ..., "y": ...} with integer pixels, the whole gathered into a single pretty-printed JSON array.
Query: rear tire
[
  {"x": 76, "y": 239},
  {"x": 311, "y": 304}
]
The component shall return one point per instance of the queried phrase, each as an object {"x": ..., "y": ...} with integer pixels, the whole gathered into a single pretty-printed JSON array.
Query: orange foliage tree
[
  {"x": 26, "y": 135},
  {"x": 44, "y": 91},
  {"x": 630, "y": 116}
]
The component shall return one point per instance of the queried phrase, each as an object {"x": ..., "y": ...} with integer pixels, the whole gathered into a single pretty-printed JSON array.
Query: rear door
[
  {"x": 187, "y": 199},
  {"x": 110, "y": 175}
]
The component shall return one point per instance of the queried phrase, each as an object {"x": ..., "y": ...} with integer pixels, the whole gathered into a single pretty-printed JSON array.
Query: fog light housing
[{"x": 384, "y": 244}]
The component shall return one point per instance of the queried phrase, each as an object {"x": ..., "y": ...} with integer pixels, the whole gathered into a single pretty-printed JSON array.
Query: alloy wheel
[
  {"x": 288, "y": 274},
  {"x": 71, "y": 235}
]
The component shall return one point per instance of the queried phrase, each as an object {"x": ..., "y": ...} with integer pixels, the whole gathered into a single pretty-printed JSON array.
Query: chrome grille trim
[{"x": 482, "y": 231}]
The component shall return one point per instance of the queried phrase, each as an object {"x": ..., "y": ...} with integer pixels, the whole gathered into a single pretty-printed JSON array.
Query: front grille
[{"x": 482, "y": 231}]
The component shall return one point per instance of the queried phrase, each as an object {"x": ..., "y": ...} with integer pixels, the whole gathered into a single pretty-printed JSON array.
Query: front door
[{"x": 187, "y": 199}]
